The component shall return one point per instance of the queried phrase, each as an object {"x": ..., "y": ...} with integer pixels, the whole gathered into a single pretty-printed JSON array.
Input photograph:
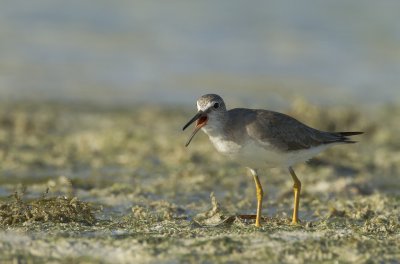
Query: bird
[{"x": 260, "y": 139}]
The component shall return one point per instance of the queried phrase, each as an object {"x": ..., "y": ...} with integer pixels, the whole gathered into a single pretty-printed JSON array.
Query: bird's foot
[
  {"x": 252, "y": 217},
  {"x": 296, "y": 221}
]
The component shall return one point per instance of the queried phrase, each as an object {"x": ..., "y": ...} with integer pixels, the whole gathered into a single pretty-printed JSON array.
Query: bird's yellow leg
[
  {"x": 296, "y": 190},
  {"x": 260, "y": 195}
]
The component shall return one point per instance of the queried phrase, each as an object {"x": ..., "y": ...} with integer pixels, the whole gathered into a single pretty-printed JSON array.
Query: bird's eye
[{"x": 216, "y": 105}]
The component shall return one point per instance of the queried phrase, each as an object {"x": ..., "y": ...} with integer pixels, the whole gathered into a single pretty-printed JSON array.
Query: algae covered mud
[{"x": 101, "y": 184}]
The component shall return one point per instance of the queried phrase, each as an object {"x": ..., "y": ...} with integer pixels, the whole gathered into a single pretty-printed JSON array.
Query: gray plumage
[{"x": 280, "y": 130}]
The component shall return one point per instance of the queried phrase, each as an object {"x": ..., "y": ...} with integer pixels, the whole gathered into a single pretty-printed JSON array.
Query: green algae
[
  {"x": 142, "y": 197},
  {"x": 18, "y": 211}
]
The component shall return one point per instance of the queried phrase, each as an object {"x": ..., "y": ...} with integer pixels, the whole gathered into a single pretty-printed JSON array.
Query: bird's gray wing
[{"x": 284, "y": 132}]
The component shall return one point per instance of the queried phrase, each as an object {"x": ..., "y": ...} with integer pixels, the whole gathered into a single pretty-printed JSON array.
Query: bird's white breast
[
  {"x": 249, "y": 154},
  {"x": 225, "y": 146}
]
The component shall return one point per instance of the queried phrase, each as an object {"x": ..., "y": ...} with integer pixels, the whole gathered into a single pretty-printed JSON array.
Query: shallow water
[{"x": 263, "y": 52}]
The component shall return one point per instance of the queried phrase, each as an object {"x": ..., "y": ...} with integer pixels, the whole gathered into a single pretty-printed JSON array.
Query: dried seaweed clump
[{"x": 60, "y": 209}]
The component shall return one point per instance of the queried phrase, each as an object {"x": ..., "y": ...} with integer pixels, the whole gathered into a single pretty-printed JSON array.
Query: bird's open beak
[{"x": 201, "y": 119}]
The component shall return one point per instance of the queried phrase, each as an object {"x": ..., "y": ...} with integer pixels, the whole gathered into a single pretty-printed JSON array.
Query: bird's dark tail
[{"x": 345, "y": 136}]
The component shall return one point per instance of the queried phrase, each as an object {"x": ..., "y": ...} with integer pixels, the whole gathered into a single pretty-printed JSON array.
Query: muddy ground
[{"x": 90, "y": 184}]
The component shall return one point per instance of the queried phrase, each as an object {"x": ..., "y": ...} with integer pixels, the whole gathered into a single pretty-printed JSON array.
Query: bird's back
[{"x": 276, "y": 137}]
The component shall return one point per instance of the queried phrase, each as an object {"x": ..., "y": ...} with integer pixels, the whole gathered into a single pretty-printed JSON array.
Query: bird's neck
[{"x": 216, "y": 125}]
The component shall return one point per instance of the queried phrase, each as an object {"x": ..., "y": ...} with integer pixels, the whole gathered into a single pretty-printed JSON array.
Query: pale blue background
[{"x": 173, "y": 51}]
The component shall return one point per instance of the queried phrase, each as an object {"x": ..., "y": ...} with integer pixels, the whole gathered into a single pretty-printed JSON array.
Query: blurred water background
[{"x": 259, "y": 52}]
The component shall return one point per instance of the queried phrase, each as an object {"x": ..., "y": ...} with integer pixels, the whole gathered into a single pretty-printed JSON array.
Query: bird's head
[{"x": 210, "y": 110}]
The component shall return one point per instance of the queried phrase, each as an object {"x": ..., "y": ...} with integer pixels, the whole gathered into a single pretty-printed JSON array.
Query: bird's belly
[
  {"x": 253, "y": 155},
  {"x": 259, "y": 157},
  {"x": 249, "y": 154}
]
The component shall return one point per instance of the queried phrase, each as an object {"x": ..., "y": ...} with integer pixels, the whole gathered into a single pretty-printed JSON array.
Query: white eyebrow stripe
[{"x": 209, "y": 104}]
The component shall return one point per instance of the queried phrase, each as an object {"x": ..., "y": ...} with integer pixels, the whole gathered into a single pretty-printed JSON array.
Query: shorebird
[{"x": 261, "y": 139}]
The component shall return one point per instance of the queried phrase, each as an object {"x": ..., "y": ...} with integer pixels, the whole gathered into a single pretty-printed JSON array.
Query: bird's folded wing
[{"x": 285, "y": 133}]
